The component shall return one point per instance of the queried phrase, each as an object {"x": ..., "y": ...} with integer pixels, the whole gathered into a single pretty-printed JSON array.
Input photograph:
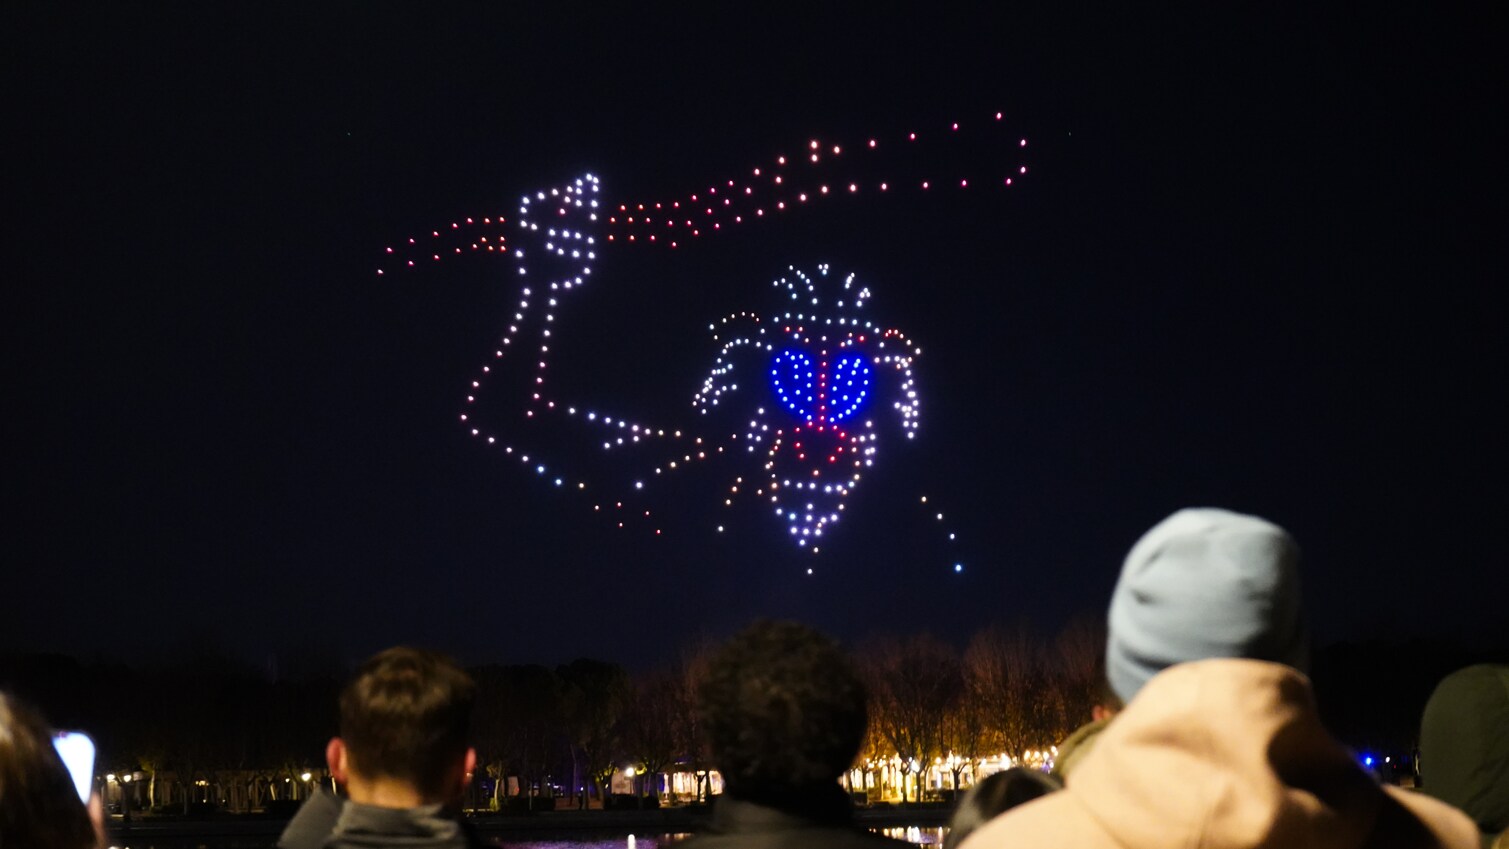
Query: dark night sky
[{"x": 1257, "y": 265}]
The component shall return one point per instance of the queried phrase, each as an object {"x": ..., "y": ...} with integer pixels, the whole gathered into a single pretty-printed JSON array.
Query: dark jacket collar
[{"x": 741, "y": 812}]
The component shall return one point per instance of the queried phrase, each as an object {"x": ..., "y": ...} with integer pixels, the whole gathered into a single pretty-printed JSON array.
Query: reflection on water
[
  {"x": 649, "y": 841},
  {"x": 932, "y": 836},
  {"x": 919, "y": 836}
]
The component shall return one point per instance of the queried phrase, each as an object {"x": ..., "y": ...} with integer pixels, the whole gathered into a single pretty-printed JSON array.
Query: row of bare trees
[
  {"x": 543, "y": 732},
  {"x": 1008, "y": 692}
]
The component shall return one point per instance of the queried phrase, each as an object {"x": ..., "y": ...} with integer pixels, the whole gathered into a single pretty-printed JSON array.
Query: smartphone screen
[{"x": 77, "y": 752}]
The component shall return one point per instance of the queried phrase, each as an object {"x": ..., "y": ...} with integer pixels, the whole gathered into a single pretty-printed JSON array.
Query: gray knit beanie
[{"x": 1204, "y": 583}]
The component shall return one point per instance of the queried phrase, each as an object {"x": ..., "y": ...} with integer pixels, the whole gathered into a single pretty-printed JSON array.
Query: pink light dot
[
  {"x": 924, "y": 184},
  {"x": 883, "y": 187},
  {"x": 912, "y": 136},
  {"x": 379, "y": 272},
  {"x": 963, "y": 184},
  {"x": 835, "y": 150},
  {"x": 390, "y": 250},
  {"x": 1008, "y": 181},
  {"x": 411, "y": 241},
  {"x": 1024, "y": 169},
  {"x": 781, "y": 160},
  {"x": 814, "y": 157},
  {"x": 853, "y": 187},
  {"x": 411, "y": 263},
  {"x": 1023, "y": 144},
  {"x": 872, "y": 142},
  {"x": 814, "y": 144},
  {"x": 998, "y": 116},
  {"x": 956, "y": 126}
]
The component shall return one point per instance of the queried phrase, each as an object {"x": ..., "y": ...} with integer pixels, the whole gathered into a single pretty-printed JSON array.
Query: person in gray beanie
[
  {"x": 1204, "y": 583},
  {"x": 1220, "y": 743}
]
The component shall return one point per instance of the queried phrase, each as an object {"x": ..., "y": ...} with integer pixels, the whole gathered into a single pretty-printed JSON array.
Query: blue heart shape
[
  {"x": 848, "y": 386},
  {"x": 795, "y": 382}
]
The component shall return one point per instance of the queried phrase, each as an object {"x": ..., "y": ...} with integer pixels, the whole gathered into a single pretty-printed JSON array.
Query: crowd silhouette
[{"x": 1188, "y": 719}]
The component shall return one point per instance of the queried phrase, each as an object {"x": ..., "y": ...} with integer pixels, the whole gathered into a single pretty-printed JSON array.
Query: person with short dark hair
[
  {"x": 39, "y": 805},
  {"x": 784, "y": 713},
  {"x": 402, "y": 757}
]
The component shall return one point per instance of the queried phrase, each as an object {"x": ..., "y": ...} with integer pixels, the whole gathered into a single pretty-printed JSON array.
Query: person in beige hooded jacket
[{"x": 1220, "y": 745}]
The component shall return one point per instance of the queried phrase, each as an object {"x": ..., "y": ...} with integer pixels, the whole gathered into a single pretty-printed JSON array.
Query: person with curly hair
[{"x": 784, "y": 714}]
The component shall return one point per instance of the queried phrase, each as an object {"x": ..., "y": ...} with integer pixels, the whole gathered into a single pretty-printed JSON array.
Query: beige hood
[{"x": 1218, "y": 754}]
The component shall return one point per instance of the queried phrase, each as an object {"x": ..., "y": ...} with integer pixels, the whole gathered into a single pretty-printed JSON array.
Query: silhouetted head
[
  {"x": 406, "y": 718},
  {"x": 784, "y": 711},
  {"x": 39, "y": 805},
  {"x": 1464, "y": 744}
]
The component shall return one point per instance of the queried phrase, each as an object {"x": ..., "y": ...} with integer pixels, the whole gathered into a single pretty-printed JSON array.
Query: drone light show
[{"x": 800, "y": 399}]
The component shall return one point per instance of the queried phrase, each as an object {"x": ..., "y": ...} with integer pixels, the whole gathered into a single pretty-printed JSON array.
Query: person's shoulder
[
  {"x": 803, "y": 838},
  {"x": 1052, "y": 820},
  {"x": 313, "y": 822},
  {"x": 1430, "y": 822}
]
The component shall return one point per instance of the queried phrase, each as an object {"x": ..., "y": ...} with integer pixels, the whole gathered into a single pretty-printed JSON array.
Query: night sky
[{"x": 1256, "y": 264}]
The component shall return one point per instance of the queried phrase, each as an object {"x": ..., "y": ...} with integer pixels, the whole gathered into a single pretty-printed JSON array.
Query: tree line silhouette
[{"x": 214, "y": 730}]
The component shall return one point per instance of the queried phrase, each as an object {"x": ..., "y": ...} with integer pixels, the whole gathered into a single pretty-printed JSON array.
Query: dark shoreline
[{"x": 562, "y": 824}]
